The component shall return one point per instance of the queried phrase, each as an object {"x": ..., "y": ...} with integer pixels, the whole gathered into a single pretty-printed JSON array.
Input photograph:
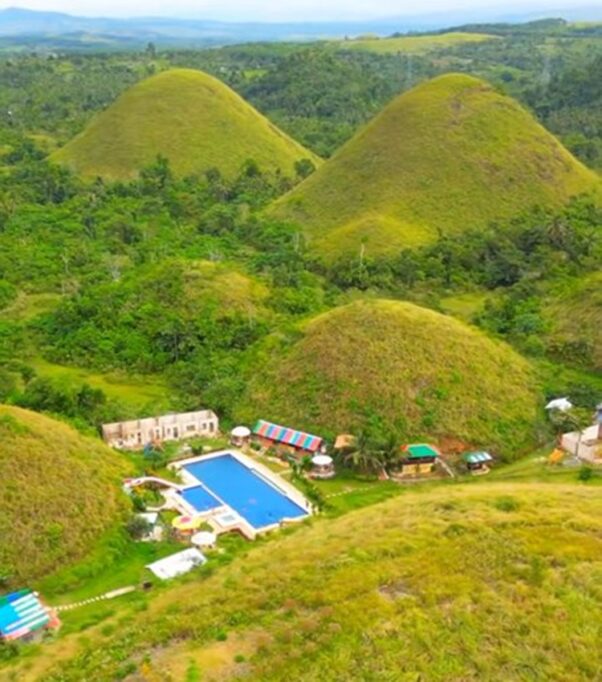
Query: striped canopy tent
[
  {"x": 477, "y": 457},
  {"x": 282, "y": 434},
  {"x": 22, "y": 613}
]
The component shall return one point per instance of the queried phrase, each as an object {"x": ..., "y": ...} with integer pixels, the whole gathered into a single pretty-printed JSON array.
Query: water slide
[{"x": 135, "y": 482}]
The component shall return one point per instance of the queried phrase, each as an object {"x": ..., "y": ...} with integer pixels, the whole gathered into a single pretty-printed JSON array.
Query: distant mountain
[
  {"x": 50, "y": 28},
  {"x": 189, "y": 117},
  {"x": 449, "y": 155}
]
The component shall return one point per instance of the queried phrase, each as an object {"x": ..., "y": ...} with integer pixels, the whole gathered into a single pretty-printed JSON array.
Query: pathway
[{"x": 108, "y": 595}]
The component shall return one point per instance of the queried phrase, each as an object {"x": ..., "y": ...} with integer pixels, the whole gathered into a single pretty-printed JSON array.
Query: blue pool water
[
  {"x": 200, "y": 499},
  {"x": 260, "y": 503}
]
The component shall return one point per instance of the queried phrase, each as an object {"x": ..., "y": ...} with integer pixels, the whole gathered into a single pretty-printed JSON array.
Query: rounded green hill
[
  {"x": 400, "y": 367},
  {"x": 189, "y": 117},
  {"x": 59, "y": 493},
  {"x": 450, "y": 155}
]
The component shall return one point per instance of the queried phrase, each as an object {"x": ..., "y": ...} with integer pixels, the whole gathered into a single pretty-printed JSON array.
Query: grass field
[
  {"x": 485, "y": 577},
  {"x": 27, "y": 306},
  {"x": 401, "y": 367},
  {"x": 429, "y": 164},
  {"x": 135, "y": 393},
  {"x": 414, "y": 44},
  {"x": 187, "y": 116},
  {"x": 59, "y": 494}
]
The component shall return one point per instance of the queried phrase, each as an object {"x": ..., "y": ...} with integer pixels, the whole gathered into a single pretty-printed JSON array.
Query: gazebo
[
  {"x": 478, "y": 462},
  {"x": 239, "y": 436},
  {"x": 322, "y": 467}
]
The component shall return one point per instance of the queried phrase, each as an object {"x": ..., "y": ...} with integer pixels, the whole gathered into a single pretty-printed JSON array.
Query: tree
[
  {"x": 138, "y": 527},
  {"x": 304, "y": 168}
]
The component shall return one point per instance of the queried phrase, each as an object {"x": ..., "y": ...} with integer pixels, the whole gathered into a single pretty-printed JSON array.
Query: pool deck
[{"x": 224, "y": 518}]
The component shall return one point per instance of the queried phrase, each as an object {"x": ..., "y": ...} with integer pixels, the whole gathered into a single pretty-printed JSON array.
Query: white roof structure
[
  {"x": 149, "y": 517},
  {"x": 177, "y": 564},
  {"x": 321, "y": 460},
  {"x": 241, "y": 432},
  {"x": 204, "y": 538},
  {"x": 562, "y": 404}
]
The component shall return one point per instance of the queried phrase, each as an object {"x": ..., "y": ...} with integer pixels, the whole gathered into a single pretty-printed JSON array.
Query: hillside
[
  {"x": 406, "y": 368},
  {"x": 445, "y": 585},
  {"x": 451, "y": 154},
  {"x": 60, "y": 491},
  {"x": 189, "y": 117},
  {"x": 414, "y": 44},
  {"x": 574, "y": 315},
  {"x": 167, "y": 312}
]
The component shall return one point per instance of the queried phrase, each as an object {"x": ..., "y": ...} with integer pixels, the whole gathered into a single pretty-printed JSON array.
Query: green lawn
[
  {"x": 414, "y": 44},
  {"x": 134, "y": 392},
  {"x": 27, "y": 306}
]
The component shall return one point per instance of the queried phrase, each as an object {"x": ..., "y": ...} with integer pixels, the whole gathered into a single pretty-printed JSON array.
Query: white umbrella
[{"x": 203, "y": 538}]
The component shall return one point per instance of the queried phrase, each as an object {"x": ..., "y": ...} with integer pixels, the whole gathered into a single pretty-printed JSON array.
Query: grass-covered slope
[
  {"x": 189, "y": 117},
  {"x": 414, "y": 44},
  {"x": 574, "y": 314},
  {"x": 59, "y": 491},
  {"x": 478, "y": 582},
  {"x": 410, "y": 369},
  {"x": 451, "y": 154}
]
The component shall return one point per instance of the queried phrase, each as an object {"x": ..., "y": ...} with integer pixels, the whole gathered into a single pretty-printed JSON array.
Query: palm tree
[{"x": 364, "y": 455}]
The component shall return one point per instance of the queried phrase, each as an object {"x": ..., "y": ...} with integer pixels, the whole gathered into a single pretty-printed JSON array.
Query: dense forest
[{"x": 105, "y": 275}]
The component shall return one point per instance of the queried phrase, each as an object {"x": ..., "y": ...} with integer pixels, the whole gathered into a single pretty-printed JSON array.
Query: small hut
[
  {"x": 344, "y": 442},
  {"x": 322, "y": 467},
  {"x": 240, "y": 436},
  {"x": 478, "y": 462},
  {"x": 418, "y": 459}
]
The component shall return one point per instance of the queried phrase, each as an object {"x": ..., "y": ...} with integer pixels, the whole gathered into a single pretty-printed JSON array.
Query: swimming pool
[
  {"x": 202, "y": 500},
  {"x": 259, "y": 502}
]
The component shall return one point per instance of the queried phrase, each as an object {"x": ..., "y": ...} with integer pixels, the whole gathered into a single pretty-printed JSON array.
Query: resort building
[
  {"x": 23, "y": 616},
  {"x": 136, "y": 433},
  {"x": 287, "y": 440},
  {"x": 585, "y": 445},
  {"x": 417, "y": 459}
]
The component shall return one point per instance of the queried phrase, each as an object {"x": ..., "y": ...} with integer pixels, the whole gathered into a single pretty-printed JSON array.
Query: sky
[{"x": 280, "y": 10}]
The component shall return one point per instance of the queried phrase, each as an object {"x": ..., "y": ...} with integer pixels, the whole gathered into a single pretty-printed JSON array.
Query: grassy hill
[
  {"x": 414, "y": 44},
  {"x": 449, "y": 584},
  {"x": 60, "y": 491},
  {"x": 187, "y": 116},
  {"x": 574, "y": 313},
  {"x": 406, "y": 368},
  {"x": 449, "y": 155}
]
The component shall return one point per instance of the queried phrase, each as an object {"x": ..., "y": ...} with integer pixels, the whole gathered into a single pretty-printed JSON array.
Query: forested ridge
[{"x": 100, "y": 275}]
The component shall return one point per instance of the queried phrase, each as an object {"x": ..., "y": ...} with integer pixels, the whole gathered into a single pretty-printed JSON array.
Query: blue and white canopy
[{"x": 21, "y": 613}]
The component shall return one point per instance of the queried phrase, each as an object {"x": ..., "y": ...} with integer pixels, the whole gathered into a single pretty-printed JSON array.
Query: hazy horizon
[{"x": 295, "y": 10}]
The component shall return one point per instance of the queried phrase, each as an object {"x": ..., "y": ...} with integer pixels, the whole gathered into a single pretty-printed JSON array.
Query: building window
[{"x": 211, "y": 427}]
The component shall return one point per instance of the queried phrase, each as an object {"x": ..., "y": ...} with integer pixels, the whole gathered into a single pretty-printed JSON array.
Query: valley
[{"x": 323, "y": 316}]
